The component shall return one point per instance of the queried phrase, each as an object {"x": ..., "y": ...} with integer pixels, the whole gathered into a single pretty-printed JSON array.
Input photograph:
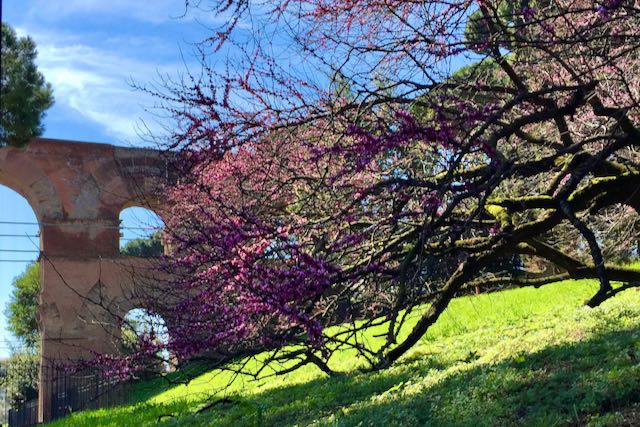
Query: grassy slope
[{"x": 519, "y": 357}]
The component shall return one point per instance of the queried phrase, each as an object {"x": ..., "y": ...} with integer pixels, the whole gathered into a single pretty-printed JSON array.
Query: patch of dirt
[{"x": 631, "y": 416}]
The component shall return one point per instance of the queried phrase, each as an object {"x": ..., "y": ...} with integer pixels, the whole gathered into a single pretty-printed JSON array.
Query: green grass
[{"x": 533, "y": 357}]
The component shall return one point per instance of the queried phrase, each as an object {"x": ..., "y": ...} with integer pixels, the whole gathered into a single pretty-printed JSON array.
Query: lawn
[{"x": 534, "y": 357}]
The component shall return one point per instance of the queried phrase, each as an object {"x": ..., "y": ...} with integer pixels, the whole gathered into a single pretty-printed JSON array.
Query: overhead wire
[
  {"x": 35, "y": 251},
  {"x": 71, "y": 225},
  {"x": 55, "y": 224},
  {"x": 17, "y": 260}
]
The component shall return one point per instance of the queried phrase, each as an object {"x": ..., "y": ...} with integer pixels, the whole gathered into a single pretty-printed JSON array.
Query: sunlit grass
[{"x": 518, "y": 357}]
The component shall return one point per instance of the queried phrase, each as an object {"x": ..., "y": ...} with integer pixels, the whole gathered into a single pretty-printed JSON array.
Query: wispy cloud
[
  {"x": 92, "y": 50},
  {"x": 96, "y": 83}
]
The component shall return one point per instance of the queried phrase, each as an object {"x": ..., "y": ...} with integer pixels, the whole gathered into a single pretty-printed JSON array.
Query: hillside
[{"x": 533, "y": 357}]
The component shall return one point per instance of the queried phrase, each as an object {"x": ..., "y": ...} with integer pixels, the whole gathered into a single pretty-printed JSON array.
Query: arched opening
[
  {"x": 19, "y": 289},
  {"x": 142, "y": 329},
  {"x": 140, "y": 232}
]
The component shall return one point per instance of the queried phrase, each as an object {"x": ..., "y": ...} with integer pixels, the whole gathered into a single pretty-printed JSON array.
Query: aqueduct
[{"x": 77, "y": 191}]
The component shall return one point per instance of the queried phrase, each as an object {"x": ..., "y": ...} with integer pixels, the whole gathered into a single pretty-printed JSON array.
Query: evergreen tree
[{"x": 24, "y": 93}]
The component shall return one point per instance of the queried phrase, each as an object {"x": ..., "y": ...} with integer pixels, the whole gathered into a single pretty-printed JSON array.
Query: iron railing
[{"x": 71, "y": 391}]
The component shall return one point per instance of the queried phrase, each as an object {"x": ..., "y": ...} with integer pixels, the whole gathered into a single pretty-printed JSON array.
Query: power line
[
  {"x": 18, "y": 223},
  {"x": 54, "y": 224},
  {"x": 37, "y": 236},
  {"x": 17, "y": 260},
  {"x": 20, "y": 250}
]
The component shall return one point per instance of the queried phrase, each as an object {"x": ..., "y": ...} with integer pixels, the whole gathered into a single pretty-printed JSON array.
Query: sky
[{"x": 92, "y": 51}]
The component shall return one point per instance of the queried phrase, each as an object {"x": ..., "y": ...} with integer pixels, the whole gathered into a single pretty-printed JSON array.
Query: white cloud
[
  {"x": 96, "y": 83},
  {"x": 91, "y": 67}
]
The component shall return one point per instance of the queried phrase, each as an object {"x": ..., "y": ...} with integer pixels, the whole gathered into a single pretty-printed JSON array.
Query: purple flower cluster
[
  {"x": 607, "y": 7},
  {"x": 528, "y": 13},
  {"x": 370, "y": 142}
]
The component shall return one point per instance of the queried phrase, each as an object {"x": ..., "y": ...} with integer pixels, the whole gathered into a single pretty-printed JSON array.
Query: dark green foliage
[
  {"x": 19, "y": 373},
  {"x": 22, "y": 309},
  {"x": 19, "y": 376},
  {"x": 24, "y": 94},
  {"x": 144, "y": 247},
  {"x": 477, "y": 32}
]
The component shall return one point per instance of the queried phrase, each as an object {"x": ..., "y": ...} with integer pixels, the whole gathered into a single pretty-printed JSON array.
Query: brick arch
[
  {"x": 30, "y": 181},
  {"x": 152, "y": 206},
  {"x": 128, "y": 306},
  {"x": 77, "y": 191}
]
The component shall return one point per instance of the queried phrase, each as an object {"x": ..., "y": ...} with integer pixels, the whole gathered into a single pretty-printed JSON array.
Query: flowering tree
[{"x": 358, "y": 164}]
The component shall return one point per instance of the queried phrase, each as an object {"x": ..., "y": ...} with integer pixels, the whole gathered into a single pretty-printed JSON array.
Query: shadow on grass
[{"x": 562, "y": 385}]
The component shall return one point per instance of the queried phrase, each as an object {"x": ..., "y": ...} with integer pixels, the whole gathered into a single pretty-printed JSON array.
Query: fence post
[{"x": 45, "y": 392}]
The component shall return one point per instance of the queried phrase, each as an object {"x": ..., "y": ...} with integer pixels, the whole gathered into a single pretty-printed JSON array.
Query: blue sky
[{"x": 91, "y": 51}]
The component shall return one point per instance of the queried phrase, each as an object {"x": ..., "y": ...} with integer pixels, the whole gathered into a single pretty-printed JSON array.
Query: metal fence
[
  {"x": 71, "y": 391},
  {"x": 25, "y": 414},
  {"x": 87, "y": 389}
]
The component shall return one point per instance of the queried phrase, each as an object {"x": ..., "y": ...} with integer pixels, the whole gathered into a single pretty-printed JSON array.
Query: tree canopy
[
  {"x": 24, "y": 93},
  {"x": 22, "y": 308},
  {"x": 364, "y": 182},
  {"x": 144, "y": 247}
]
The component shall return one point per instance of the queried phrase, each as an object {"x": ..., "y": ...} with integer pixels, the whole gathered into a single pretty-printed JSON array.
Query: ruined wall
[{"x": 77, "y": 191}]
